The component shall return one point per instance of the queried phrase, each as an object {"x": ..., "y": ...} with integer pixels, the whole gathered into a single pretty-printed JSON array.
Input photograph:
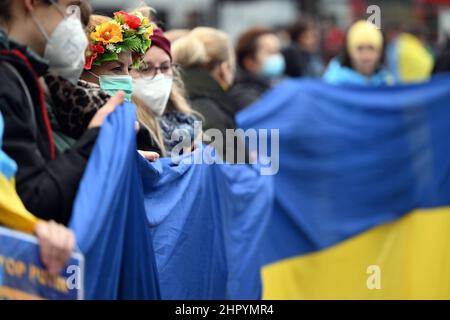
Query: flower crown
[{"x": 125, "y": 33}]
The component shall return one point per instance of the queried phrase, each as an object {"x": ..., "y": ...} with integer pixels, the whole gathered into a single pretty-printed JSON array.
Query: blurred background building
[{"x": 429, "y": 18}]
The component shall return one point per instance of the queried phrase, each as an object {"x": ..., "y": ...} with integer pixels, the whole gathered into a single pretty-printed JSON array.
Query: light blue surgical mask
[
  {"x": 111, "y": 84},
  {"x": 274, "y": 66}
]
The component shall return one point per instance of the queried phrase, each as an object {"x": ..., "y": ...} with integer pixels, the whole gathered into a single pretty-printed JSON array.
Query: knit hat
[
  {"x": 364, "y": 33},
  {"x": 159, "y": 39}
]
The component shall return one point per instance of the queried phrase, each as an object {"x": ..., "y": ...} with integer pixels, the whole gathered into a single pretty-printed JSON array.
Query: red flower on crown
[
  {"x": 92, "y": 53},
  {"x": 132, "y": 21}
]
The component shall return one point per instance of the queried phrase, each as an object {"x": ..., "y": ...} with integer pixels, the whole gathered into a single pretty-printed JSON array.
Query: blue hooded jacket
[{"x": 339, "y": 74}]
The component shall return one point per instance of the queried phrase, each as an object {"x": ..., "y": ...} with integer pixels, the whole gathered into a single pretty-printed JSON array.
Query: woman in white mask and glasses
[
  {"x": 37, "y": 35},
  {"x": 158, "y": 93}
]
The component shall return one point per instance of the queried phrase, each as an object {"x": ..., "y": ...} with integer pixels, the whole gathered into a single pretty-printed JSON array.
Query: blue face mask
[
  {"x": 111, "y": 84},
  {"x": 274, "y": 66}
]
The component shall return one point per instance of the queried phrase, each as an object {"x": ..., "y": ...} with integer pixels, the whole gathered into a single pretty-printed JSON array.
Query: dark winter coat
[{"x": 46, "y": 184}]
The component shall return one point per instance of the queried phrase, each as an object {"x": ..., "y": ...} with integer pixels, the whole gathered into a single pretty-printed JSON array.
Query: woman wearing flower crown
[
  {"x": 111, "y": 70},
  {"x": 116, "y": 46}
]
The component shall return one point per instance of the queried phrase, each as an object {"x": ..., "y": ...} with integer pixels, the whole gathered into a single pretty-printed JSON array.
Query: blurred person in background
[
  {"x": 392, "y": 31},
  {"x": 283, "y": 35},
  {"x": 409, "y": 56},
  {"x": 209, "y": 67},
  {"x": 333, "y": 39},
  {"x": 37, "y": 36},
  {"x": 302, "y": 57},
  {"x": 362, "y": 60},
  {"x": 442, "y": 64},
  {"x": 260, "y": 65}
]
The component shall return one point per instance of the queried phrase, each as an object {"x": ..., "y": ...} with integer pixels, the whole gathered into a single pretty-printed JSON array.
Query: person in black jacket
[
  {"x": 32, "y": 30},
  {"x": 302, "y": 59},
  {"x": 442, "y": 64},
  {"x": 260, "y": 63},
  {"x": 208, "y": 62}
]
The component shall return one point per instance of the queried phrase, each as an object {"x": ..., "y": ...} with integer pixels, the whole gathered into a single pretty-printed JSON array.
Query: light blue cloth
[{"x": 340, "y": 75}]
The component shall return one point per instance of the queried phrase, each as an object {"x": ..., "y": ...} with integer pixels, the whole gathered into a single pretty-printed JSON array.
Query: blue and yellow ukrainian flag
[
  {"x": 405, "y": 259},
  {"x": 409, "y": 60},
  {"x": 362, "y": 208},
  {"x": 13, "y": 213}
]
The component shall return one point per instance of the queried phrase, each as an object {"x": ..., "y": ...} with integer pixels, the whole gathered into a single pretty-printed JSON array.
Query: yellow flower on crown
[
  {"x": 149, "y": 32},
  {"x": 108, "y": 32}
]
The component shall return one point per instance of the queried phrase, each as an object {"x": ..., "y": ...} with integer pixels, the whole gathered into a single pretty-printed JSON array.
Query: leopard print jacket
[{"x": 74, "y": 106}]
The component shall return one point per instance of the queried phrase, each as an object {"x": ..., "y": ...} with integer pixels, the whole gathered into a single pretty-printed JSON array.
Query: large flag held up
[
  {"x": 363, "y": 192},
  {"x": 205, "y": 223},
  {"x": 360, "y": 210},
  {"x": 109, "y": 217},
  {"x": 208, "y": 222}
]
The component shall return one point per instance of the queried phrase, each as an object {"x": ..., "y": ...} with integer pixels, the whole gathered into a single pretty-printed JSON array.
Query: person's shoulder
[
  {"x": 248, "y": 78},
  {"x": 245, "y": 93},
  {"x": 204, "y": 103},
  {"x": 292, "y": 49},
  {"x": 8, "y": 78},
  {"x": 333, "y": 71},
  {"x": 241, "y": 86}
]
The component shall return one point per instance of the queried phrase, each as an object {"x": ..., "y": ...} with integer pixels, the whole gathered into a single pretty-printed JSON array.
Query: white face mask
[
  {"x": 65, "y": 48},
  {"x": 155, "y": 93}
]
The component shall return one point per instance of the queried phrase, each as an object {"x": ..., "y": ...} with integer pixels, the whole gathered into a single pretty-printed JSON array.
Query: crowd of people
[{"x": 64, "y": 70}]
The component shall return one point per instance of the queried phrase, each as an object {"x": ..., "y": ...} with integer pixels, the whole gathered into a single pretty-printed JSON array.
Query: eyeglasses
[{"x": 150, "y": 71}]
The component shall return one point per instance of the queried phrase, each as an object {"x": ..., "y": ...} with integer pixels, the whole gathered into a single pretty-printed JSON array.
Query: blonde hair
[
  {"x": 146, "y": 11},
  {"x": 177, "y": 100},
  {"x": 149, "y": 121},
  {"x": 203, "y": 47},
  {"x": 175, "y": 34}
]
